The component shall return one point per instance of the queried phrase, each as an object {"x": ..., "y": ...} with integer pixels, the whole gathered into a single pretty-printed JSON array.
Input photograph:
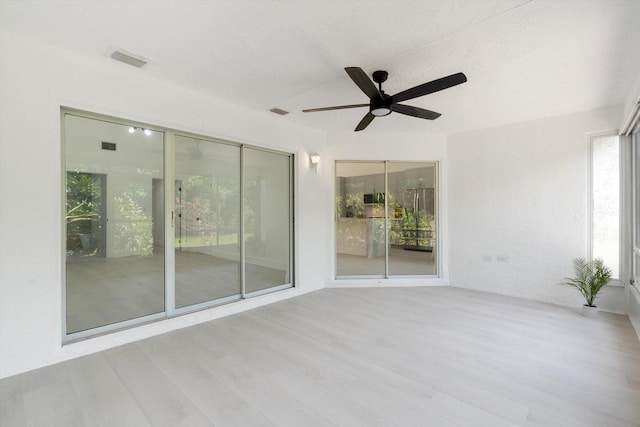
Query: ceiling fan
[{"x": 381, "y": 104}]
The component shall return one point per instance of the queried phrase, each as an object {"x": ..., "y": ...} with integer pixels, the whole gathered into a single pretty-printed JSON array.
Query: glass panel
[
  {"x": 412, "y": 220},
  {"x": 360, "y": 238},
  {"x": 114, "y": 217},
  {"x": 635, "y": 187},
  {"x": 207, "y": 221},
  {"x": 606, "y": 201},
  {"x": 267, "y": 229},
  {"x": 635, "y": 141}
]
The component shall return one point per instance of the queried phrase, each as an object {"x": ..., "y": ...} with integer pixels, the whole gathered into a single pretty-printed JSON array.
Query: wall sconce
[{"x": 315, "y": 159}]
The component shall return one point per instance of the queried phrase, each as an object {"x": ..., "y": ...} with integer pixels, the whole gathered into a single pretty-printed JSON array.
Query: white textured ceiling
[{"x": 524, "y": 59}]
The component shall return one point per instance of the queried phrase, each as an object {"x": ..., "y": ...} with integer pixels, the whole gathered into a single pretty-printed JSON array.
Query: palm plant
[{"x": 590, "y": 278}]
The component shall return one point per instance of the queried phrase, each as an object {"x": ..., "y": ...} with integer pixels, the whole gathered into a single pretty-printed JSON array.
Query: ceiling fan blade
[
  {"x": 430, "y": 87},
  {"x": 339, "y": 107},
  {"x": 365, "y": 122},
  {"x": 363, "y": 81},
  {"x": 414, "y": 111}
]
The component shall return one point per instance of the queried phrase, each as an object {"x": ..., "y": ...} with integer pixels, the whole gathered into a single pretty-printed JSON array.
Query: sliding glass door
[
  {"x": 267, "y": 219},
  {"x": 114, "y": 261},
  {"x": 207, "y": 211},
  {"x": 137, "y": 249},
  {"x": 635, "y": 188},
  {"x": 412, "y": 218},
  {"x": 386, "y": 216},
  {"x": 360, "y": 218}
]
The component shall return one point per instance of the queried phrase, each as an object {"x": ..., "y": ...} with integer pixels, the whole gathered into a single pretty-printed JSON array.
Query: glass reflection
[
  {"x": 267, "y": 228},
  {"x": 207, "y": 223},
  {"x": 410, "y": 204},
  {"x": 360, "y": 218},
  {"x": 412, "y": 221},
  {"x": 114, "y": 257}
]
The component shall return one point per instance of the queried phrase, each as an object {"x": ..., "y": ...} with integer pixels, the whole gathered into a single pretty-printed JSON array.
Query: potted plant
[{"x": 590, "y": 278}]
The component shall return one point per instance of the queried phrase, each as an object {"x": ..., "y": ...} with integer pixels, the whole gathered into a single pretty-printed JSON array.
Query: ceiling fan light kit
[{"x": 380, "y": 104}]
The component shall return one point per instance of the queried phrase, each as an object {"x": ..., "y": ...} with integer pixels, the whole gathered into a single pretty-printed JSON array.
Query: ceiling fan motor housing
[{"x": 380, "y": 76}]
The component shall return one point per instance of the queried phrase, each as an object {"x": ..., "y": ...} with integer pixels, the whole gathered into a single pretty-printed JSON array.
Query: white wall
[
  {"x": 520, "y": 192},
  {"x": 35, "y": 80},
  {"x": 371, "y": 145},
  {"x": 630, "y": 103}
]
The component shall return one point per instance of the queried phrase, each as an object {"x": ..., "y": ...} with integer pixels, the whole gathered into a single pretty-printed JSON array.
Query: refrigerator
[{"x": 418, "y": 231}]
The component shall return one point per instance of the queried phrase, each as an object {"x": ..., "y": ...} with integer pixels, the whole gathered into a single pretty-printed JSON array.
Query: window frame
[
  {"x": 591, "y": 138},
  {"x": 170, "y": 310},
  {"x": 437, "y": 254},
  {"x": 634, "y": 209}
]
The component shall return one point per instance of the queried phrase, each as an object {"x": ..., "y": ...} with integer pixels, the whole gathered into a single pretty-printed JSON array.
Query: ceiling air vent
[
  {"x": 127, "y": 58},
  {"x": 279, "y": 111},
  {"x": 111, "y": 146}
]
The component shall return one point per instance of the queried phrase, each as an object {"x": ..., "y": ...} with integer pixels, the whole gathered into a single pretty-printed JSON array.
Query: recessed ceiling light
[{"x": 127, "y": 58}]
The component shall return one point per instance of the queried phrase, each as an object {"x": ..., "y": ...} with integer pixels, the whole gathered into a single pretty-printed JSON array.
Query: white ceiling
[{"x": 524, "y": 59}]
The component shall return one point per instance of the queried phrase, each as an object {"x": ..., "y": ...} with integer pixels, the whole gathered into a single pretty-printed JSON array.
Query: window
[
  {"x": 267, "y": 225},
  {"x": 114, "y": 260},
  {"x": 145, "y": 244},
  {"x": 386, "y": 219},
  {"x": 635, "y": 188},
  {"x": 605, "y": 201},
  {"x": 207, "y": 221}
]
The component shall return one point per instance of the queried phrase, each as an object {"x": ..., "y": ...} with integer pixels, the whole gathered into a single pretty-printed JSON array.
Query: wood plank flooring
[
  {"x": 102, "y": 291},
  {"x": 434, "y": 356},
  {"x": 401, "y": 262}
]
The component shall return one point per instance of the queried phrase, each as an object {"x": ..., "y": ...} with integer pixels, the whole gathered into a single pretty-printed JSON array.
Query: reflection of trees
[
  {"x": 404, "y": 231},
  {"x": 406, "y": 227},
  {"x": 354, "y": 199},
  {"x": 209, "y": 207},
  {"x": 132, "y": 233},
  {"x": 84, "y": 195},
  {"x": 253, "y": 235},
  {"x": 355, "y": 205}
]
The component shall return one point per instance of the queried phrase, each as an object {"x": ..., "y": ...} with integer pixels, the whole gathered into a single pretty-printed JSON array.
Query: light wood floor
[
  {"x": 401, "y": 262},
  {"x": 353, "y": 357},
  {"x": 102, "y": 291}
]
